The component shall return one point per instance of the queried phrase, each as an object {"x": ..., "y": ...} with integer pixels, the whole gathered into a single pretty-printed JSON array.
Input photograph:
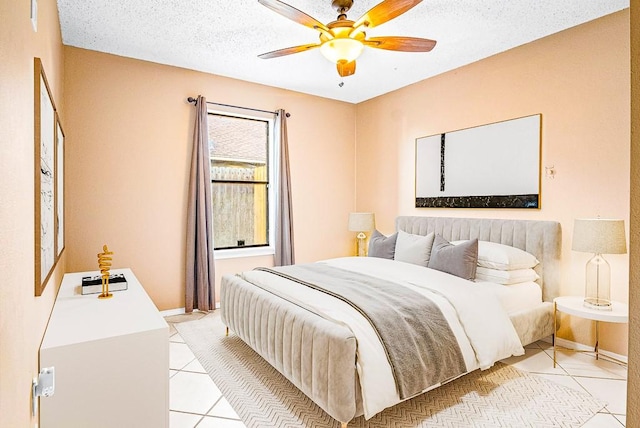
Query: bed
[{"x": 330, "y": 355}]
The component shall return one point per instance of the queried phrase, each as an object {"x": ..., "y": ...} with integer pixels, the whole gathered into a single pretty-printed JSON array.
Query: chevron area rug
[{"x": 499, "y": 397}]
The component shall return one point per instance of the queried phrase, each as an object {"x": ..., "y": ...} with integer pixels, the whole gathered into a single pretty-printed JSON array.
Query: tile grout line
[
  {"x": 582, "y": 386},
  {"x": 214, "y": 404},
  {"x": 606, "y": 376},
  {"x": 615, "y": 375},
  {"x": 206, "y": 414}
]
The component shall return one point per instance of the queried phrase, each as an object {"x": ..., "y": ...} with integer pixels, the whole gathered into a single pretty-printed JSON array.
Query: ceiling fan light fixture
[
  {"x": 343, "y": 40},
  {"x": 341, "y": 49}
]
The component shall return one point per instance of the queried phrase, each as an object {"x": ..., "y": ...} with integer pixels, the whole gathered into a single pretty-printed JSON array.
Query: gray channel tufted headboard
[{"x": 542, "y": 238}]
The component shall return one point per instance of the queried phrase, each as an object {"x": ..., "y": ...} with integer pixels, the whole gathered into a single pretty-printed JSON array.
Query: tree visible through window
[{"x": 239, "y": 152}]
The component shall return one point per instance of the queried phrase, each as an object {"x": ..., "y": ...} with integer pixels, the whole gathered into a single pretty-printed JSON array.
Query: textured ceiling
[{"x": 225, "y": 37}]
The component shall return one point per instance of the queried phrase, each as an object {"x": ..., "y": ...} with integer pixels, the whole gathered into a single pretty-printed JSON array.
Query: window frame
[{"x": 272, "y": 148}]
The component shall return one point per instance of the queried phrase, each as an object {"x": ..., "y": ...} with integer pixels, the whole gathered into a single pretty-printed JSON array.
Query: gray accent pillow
[
  {"x": 414, "y": 249},
  {"x": 459, "y": 260},
  {"x": 382, "y": 246}
]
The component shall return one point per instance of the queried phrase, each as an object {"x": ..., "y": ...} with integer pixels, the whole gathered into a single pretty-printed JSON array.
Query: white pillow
[
  {"x": 506, "y": 277},
  {"x": 414, "y": 249},
  {"x": 503, "y": 257}
]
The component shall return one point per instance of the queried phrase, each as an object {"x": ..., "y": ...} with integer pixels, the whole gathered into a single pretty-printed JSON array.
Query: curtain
[
  {"x": 200, "y": 280},
  {"x": 284, "y": 217}
]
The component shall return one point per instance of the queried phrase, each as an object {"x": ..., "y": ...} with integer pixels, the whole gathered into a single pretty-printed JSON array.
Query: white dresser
[{"x": 111, "y": 359}]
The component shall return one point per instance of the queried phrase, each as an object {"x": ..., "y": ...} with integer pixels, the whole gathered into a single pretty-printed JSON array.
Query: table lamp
[
  {"x": 361, "y": 223},
  {"x": 598, "y": 236}
]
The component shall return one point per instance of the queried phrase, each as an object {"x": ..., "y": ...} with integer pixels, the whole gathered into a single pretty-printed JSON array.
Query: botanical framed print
[
  {"x": 46, "y": 126},
  {"x": 59, "y": 187}
]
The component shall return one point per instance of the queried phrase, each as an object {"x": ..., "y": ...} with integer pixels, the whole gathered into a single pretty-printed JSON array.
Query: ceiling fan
[{"x": 343, "y": 40}]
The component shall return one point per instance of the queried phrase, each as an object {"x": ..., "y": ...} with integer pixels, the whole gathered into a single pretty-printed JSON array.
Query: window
[{"x": 241, "y": 154}]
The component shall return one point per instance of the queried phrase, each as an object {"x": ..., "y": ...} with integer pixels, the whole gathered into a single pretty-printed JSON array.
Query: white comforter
[{"x": 483, "y": 329}]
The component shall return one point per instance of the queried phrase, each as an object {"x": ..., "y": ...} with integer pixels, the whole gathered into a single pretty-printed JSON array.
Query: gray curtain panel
[
  {"x": 200, "y": 281},
  {"x": 284, "y": 215}
]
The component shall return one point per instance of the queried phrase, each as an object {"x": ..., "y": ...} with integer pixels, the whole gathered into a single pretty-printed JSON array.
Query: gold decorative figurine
[{"x": 104, "y": 264}]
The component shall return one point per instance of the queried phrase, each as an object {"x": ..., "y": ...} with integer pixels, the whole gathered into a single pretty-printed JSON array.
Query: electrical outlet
[
  {"x": 46, "y": 382},
  {"x": 43, "y": 386}
]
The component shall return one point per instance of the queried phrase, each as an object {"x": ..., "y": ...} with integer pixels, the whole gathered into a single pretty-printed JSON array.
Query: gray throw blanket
[{"x": 420, "y": 345}]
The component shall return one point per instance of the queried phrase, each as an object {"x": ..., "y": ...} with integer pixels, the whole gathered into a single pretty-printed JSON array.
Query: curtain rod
[{"x": 192, "y": 100}]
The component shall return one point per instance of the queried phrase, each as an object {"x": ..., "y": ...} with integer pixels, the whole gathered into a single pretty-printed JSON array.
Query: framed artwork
[
  {"x": 46, "y": 126},
  {"x": 489, "y": 166},
  {"x": 59, "y": 187}
]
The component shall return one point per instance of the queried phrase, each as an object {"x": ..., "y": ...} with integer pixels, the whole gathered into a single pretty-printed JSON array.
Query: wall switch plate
[{"x": 34, "y": 15}]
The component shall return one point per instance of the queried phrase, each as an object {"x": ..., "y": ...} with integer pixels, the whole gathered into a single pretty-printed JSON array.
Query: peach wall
[
  {"x": 23, "y": 317},
  {"x": 129, "y": 144},
  {"x": 579, "y": 80},
  {"x": 633, "y": 387},
  {"x": 558, "y": 77}
]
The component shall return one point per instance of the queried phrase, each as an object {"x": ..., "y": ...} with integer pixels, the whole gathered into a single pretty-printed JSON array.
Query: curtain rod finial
[{"x": 192, "y": 100}]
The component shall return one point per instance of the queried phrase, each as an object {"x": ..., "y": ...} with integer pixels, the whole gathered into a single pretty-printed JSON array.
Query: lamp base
[
  {"x": 598, "y": 284},
  {"x": 598, "y": 304},
  {"x": 362, "y": 248}
]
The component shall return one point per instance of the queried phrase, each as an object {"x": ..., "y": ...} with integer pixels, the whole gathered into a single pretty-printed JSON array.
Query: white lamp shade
[
  {"x": 345, "y": 49},
  {"x": 362, "y": 222},
  {"x": 599, "y": 236}
]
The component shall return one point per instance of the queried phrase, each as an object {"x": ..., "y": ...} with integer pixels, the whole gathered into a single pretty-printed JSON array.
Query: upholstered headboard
[{"x": 543, "y": 239}]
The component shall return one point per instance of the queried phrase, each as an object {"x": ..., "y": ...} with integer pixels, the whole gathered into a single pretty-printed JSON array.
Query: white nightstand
[{"x": 574, "y": 305}]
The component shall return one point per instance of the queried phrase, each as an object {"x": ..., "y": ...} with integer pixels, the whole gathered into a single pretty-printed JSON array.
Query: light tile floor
[{"x": 195, "y": 401}]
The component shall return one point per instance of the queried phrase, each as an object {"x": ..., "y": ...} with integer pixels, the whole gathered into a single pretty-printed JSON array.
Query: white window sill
[{"x": 236, "y": 253}]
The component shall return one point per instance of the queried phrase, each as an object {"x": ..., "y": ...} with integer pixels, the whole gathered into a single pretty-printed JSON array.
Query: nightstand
[{"x": 574, "y": 305}]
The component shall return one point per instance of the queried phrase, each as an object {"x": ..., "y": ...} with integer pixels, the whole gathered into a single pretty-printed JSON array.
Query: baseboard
[
  {"x": 171, "y": 312},
  {"x": 581, "y": 347},
  {"x": 180, "y": 311}
]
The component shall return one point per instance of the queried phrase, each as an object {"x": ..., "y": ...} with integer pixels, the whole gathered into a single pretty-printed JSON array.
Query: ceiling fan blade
[
  {"x": 384, "y": 11},
  {"x": 404, "y": 44},
  {"x": 287, "y": 51},
  {"x": 294, "y": 14},
  {"x": 346, "y": 68}
]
